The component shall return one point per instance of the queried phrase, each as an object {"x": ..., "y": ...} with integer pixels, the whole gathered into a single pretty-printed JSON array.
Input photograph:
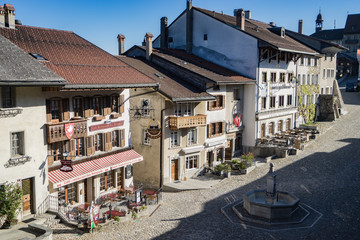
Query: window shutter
[
  {"x": 223, "y": 101},
  {"x": 122, "y": 138},
  {"x": 108, "y": 143},
  {"x": 107, "y": 106},
  {"x": 122, "y": 107},
  {"x": 93, "y": 144},
  {"x": 209, "y": 130},
  {"x": 223, "y": 127},
  {"x": 72, "y": 149},
  {"x": 48, "y": 112},
  {"x": 90, "y": 148},
  {"x": 66, "y": 109}
]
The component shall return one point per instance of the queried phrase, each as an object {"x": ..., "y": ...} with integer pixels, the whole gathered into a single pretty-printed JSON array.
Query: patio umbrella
[{"x": 91, "y": 216}]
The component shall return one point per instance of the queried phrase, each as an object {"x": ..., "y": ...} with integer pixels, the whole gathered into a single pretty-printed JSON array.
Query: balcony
[
  {"x": 56, "y": 132},
  {"x": 187, "y": 122}
]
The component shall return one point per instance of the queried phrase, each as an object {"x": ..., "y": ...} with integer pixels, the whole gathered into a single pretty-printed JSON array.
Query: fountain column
[{"x": 270, "y": 185}]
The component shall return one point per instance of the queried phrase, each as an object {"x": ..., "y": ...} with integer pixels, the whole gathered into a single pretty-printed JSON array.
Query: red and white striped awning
[{"x": 94, "y": 167}]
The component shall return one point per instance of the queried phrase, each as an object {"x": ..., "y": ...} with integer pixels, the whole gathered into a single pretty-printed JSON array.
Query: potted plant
[
  {"x": 10, "y": 202},
  {"x": 247, "y": 165},
  {"x": 219, "y": 169},
  {"x": 235, "y": 163},
  {"x": 227, "y": 170}
]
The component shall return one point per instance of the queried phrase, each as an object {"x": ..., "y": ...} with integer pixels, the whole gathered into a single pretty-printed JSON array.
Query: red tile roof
[{"x": 74, "y": 58}]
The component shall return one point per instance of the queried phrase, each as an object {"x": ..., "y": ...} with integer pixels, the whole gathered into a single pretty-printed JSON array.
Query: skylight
[{"x": 38, "y": 56}]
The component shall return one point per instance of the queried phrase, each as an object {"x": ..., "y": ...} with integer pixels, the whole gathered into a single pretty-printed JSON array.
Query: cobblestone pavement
[{"x": 325, "y": 176}]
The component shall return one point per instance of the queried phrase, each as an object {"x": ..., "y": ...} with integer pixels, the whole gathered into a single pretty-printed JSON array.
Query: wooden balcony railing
[
  {"x": 56, "y": 131},
  {"x": 187, "y": 122}
]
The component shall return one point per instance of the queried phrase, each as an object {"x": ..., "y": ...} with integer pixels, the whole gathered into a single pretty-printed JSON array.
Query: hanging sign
[
  {"x": 237, "y": 120},
  {"x": 66, "y": 166},
  {"x": 153, "y": 129},
  {"x": 69, "y": 130}
]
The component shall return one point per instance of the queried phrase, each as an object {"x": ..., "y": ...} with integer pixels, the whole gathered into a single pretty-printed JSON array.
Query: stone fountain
[{"x": 269, "y": 203}]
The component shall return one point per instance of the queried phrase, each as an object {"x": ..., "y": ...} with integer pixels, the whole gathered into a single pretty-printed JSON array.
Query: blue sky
[{"x": 100, "y": 21}]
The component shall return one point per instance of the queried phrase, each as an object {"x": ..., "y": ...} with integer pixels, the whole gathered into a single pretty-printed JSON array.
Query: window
[
  {"x": 192, "y": 137},
  {"x": 271, "y": 128},
  {"x": 281, "y": 101},
  {"x": 191, "y": 162},
  {"x": 106, "y": 181},
  {"x": 264, "y": 77},
  {"x": 187, "y": 109},
  {"x": 78, "y": 106},
  {"x": 216, "y": 87},
  {"x": 289, "y": 100},
  {"x": 170, "y": 39},
  {"x": 114, "y": 103},
  {"x": 55, "y": 109},
  {"x": 282, "y": 77},
  {"x": 216, "y": 129},
  {"x": 99, "y": 142},
  {"x": 55, "y": 150},
  {"x": 273, "y": 77},
  {"x": 263, "y": 127},
  {"x": 302, "y": 61},
  {"x": 174, "y": 139},
  {"x": 115, "y": 138},
  {"x": 324, "y": 73},
  {"x": 68, "y": 195},
  {"x": 218, "y": 104},
  {"x": 272, "y": 102},
  {"x": 308, "y": 79},
  {"x": 97, "y": 105},
  {"x": 79, "y": 147},
  {"x": 236, "y": 94},
  {"x": 263, "y": 103},
  {"x": 205, "y": 37},
  {"x": 145, "y": 107},
  {"x": 328, "y": 73},
  {"x": 280, "y": 126},
  {"x": 303, "y": 82},
  {"x": 8, "y": 97},
  {"x": 290, "y": 76},
  {"x": 288, "y": 124},
  {"x": 146, "y": 139},
  {"x": 88, "y": 107},
  {"x": 17, "y": 144}
]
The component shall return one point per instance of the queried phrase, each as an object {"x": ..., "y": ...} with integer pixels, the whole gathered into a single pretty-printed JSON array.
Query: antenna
[{"x": 334, "y": 23}]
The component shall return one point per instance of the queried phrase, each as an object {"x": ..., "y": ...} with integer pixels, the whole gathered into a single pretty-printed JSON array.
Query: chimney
[
  {"x": 240, "y": 18},
  {"x": 272, "y": 24},
  {"x": 9, "y": 15},
  {"x": 149, "y": 38},
  {"x": 164, "y": 32},
  {"x": 2, "y": 16},
  {"x": 189, "y": 26},
  {"x": 248, "y": 14},
  {"x": 121, "y": 41},
  {"x": 300, "y": 26}
]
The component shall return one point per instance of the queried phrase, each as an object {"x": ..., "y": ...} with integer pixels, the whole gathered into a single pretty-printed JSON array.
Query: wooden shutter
[
  {"x": 48, "y": 111},
  {"x": 107, "y": 105},
  {"x": 209, "y": 130},
  {"x": 108, "y": 143},
  {"x": 122, "y": 103},
  {"x": 72, "y": 150},
  {"x": 66, "y": 109},
  {"x": 223, "y": 101},
  {"x": 223, "y": 127},
  {"x": 122, "y": 138},
  {"x": 89, "y": 145}
]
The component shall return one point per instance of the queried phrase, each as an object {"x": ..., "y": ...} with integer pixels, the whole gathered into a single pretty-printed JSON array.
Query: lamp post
[{"x": 110, "y": 207}]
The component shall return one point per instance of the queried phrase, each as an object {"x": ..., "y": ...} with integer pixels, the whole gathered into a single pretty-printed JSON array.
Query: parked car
[{"x": 350, "y": 87}]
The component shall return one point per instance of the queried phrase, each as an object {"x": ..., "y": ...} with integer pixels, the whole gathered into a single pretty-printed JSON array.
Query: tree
[{"x": 10, "y": 200}]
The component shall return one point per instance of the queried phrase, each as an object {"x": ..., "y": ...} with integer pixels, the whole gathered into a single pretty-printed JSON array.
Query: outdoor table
[
  {"x": 149, "y": 192},
  {"x": 115, "y": 213}
]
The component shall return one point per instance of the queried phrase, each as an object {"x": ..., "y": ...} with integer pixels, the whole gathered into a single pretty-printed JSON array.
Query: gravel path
[{"x": 325, "y": 176}]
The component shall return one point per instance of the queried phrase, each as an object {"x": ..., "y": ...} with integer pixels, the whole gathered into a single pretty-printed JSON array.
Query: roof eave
[
  {"x": 99, "y": 86},
  {"x": 295, "y": 51},
  {"x": 32, "y": 84},
  {"x": 194, "y": 99}
]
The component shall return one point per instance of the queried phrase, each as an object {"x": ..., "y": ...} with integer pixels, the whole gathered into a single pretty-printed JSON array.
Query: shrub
[
  {"x": 117, "y": 218},
  {"x": 10, "y": 200},
  {"x": 235, "y": 161},
  {"x": 134, "y": 215},
  {"x": 219, "y": 167}
]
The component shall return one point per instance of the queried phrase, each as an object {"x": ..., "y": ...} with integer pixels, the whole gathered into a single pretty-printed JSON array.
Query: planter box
[
  {"x": 309, "y": 127},
  {"x": 247, "y": 170},
  {"x": 227, "y": 174}
]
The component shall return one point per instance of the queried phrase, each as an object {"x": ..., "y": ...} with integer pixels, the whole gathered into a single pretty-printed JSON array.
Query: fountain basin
[{"x": 284, "y": 204}]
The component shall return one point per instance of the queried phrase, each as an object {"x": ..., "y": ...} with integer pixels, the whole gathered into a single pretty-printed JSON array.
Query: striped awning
[{"x": 94, "y": 167}]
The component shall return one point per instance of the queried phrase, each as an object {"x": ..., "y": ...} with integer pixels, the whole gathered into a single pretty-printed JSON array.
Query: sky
[{"x": 101, "y": 21}]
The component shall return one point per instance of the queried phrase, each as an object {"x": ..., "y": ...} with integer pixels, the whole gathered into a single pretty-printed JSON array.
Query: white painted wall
[{"x": 31, "y": 122}]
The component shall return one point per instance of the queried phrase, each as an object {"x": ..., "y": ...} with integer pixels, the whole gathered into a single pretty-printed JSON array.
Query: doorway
[
  {"x": 229, "y": 149},
  {"x": 27, "y": 199},
  {"x": 174, "y": 169},
  {"x": 210, "y": 158}
]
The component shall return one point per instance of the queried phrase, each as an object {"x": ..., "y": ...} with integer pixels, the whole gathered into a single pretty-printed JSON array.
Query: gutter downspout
[{"x": 162, "y": 146}]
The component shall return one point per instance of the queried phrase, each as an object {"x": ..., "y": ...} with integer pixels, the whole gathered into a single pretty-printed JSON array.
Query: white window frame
[
  {"x": 21, "y": 143},
  {"x": 187, "y": 109},
  {"x": 197, "y": 160},
  {"x": 178, "y": 139},
  {"x": 146, "y": 140},
  {"x": 190, "y": 134}
]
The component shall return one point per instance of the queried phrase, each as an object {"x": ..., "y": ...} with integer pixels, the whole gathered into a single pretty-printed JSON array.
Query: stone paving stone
[{"x": 325, "y": 176}]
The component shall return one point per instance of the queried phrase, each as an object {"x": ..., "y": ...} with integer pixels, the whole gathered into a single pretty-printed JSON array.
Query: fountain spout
[{"x": 271, "y": 185}]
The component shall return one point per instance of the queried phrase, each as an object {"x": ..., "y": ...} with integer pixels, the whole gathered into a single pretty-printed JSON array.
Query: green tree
[{"x": 10, "y": 200}]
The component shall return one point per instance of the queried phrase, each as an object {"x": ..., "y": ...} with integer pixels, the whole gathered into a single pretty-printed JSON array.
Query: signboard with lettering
[
  {"x": 106, "y": 125},
  {"x": 66, "y": 166}
]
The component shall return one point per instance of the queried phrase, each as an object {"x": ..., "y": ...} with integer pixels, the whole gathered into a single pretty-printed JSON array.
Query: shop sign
[
  {"x": 69, "y": 129},
  {"x": 128, "y": 171},
  {"x": 153, "y": 129},
  {"x": 106, "y": 125},
  {"x": 66, "y": 166},
  {"x": 138, "y": 196}
]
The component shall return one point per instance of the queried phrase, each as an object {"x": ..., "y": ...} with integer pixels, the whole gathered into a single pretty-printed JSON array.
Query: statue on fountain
[{"x": 270, "y": 185}]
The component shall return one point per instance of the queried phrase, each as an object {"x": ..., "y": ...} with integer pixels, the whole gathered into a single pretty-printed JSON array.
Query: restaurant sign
[
  {"x": 66, "y": 166},
  {"x": 106, "y": 125}
]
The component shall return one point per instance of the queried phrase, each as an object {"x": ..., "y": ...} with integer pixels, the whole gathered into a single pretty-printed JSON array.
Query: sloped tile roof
[
  {"x": 330, "y": 35},
  {"x": 80, "y": 62},
  {"x": 171, "y": 86},
  {"x": 352, "y": 25},
  {"x": 19, "y": 68},
  {"x": 260, "y": 30},
  {"x": 209, "y": 70}
]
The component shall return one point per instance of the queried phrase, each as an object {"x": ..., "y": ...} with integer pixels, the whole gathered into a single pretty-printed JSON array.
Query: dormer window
[
  {"x": 38, "y": 57},
  {"x": 282, "y": 32},
  {"x": 205, "y": 37}
]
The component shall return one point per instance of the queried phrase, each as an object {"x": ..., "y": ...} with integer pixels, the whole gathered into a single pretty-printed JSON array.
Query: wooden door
[
  {"x": 27, "y": 196},
  {"x": 263, "y": 130},
  {"x": 229, "y": 149},
  {"x": 174, "y": 169}
]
